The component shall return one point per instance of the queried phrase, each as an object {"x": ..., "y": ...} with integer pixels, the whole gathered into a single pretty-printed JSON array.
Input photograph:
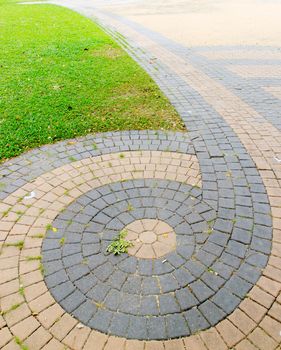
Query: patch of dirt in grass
[{"x": 108, "y": 52}]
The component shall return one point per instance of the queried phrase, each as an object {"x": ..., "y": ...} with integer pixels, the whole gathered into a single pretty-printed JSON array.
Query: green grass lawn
[{"x": 61, "y": 76}]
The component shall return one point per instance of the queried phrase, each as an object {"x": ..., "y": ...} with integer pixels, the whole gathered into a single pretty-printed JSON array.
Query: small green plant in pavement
[{"x": 120, "y": 244}]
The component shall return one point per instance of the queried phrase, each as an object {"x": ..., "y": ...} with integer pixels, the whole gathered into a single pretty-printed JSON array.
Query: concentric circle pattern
[
  {"x": 126, "y": 295},
  {"x": 198, "y": 283}
]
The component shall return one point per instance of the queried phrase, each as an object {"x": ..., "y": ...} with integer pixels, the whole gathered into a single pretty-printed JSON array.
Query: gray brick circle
[{"x": 184, "y": 292}]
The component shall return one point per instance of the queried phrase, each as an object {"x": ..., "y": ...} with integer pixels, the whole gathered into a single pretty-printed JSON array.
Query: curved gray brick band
[
  {"x": 27, "y": 167},
  {"x": 223, "y": 241}
]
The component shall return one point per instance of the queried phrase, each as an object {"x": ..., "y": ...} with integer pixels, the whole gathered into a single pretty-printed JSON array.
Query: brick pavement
[{"x": 217, "y": 187}]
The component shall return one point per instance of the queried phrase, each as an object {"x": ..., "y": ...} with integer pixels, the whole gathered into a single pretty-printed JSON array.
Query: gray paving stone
[
  {"x": 85, "y": 311},
  {"x": 156, "y": 328},
  {"x": 168, "y": 283},
  {"x": 168, "y": 304},
  {"x": 117, "y": 279},
  {"x": 85, "y": 283},
  {"x": 119, "y": 324},
  {"x": 183, "y": 277},
  {"x": 195, "y": 320},
  {"x": 201, "y": 290},
  {"x": 211, "y": 312},
  {"x": 149, "y": 306},
  {"x": 101, "y": 320},
  {"x": 150, "y": 286},
  {"x": 137, "y": 328},
  {"x": 98, "y": 292},
  {"x": 186, "y": 299},
  {"x": 72, "y": 301},
  {"x": 226, "y": 300},
  {"x": 176, "y": 326},
  {"x": 56, "y": 278},
  {"x": 62, "y": 290}
]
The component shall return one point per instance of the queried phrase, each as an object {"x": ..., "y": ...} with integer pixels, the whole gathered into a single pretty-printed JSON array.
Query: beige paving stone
[
  {"x": 8, "y": 288},
  {"x": 29, "y": 266},
  {"x": 19, "y": 229},
  {"x": 8, "y": 275},
  {"x": 275, "y": 311},
  {"x": 38, "y": 339},
  {"x": 135, "y": 248},
  {"x": 230, "y": 333},
  {"x": 8, "y": 263},
  {"x": 242, "y": 321},
  {"x": 134, "y": 344},
  {"x": 96, "y": 341},
  {"x": 276, "y": 253},
  {"x": 154, "y": 345},
  {"x": 272, "y": 328},
  {"x": 168, "y": 239},
  {"x": 17, "y": 315},
  {"x": 31, "y": 278},
  {"x": 174, "y": 344},
  {"x": 245, "y": 345},
  {"x": 146, "y": 252},
  {"x": 25, "y": 328},
  {"x": 260, "y": 296},
  {"x": 151, "y": 238},
  {"x": 12, "y": 299},
  {"x": 213, "y": 340},
  {"x": 2, "y": 322},
  {"x": 147, "y": 237},
  {"x": 162, "y": 249},
  {"x": 35, "y": 290},
  {"x": 41, "y": 303},
  {"x": 253, "y": 309},
  {"x": 115, "y": 343},
  {"x": 63, "y": 326},
  {"x": 194, "y": 342},
  {"x": 259, "y": 338},
  {"x": 49, "y": 316},
  {"x": 77, "y": 337},
  {"x": 5, "y": 336},
  {"x": 269, "y": 285},
  {"x": 11, "y": 346},
  {"x": 272, "y": 273},
  {"x": 54, "y": 344},
  {"x": 131, "y": 236}
]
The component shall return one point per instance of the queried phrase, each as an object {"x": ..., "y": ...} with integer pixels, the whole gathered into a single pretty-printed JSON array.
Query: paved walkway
[{"x": 203, "y": 209}]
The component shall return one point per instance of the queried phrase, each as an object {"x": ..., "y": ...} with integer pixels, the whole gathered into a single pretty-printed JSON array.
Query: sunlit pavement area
[{"x": 203, "y": 208}]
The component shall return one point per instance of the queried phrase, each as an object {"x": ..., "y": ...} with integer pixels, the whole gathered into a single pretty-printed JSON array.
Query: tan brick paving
[
  {"x": 77, "y": 337},
  {"x": 38, "y": 339},
  {"x": 5, "y": 336},
  {"x": 274, "y": 90},
  {"x": 247, "y": 54},
  {"x": 194, "y": 342},
  {"x": 258, "y": 316},
  {"x": 96, "y": 340},
  {"x": 134, "y": 345},
  {"x": 230, "y": 333},
  {"x": 258, "y": 71},
  {"x": 174, "y": 344},
  {"x": 25, "y": 328}
]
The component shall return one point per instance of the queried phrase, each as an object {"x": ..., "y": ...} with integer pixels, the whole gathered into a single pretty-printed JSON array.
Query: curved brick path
[{"x": 217, "y": 187}]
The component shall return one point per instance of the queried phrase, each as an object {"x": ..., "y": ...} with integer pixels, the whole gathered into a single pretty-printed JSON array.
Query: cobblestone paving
[{"x": 217, "y": 189}]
